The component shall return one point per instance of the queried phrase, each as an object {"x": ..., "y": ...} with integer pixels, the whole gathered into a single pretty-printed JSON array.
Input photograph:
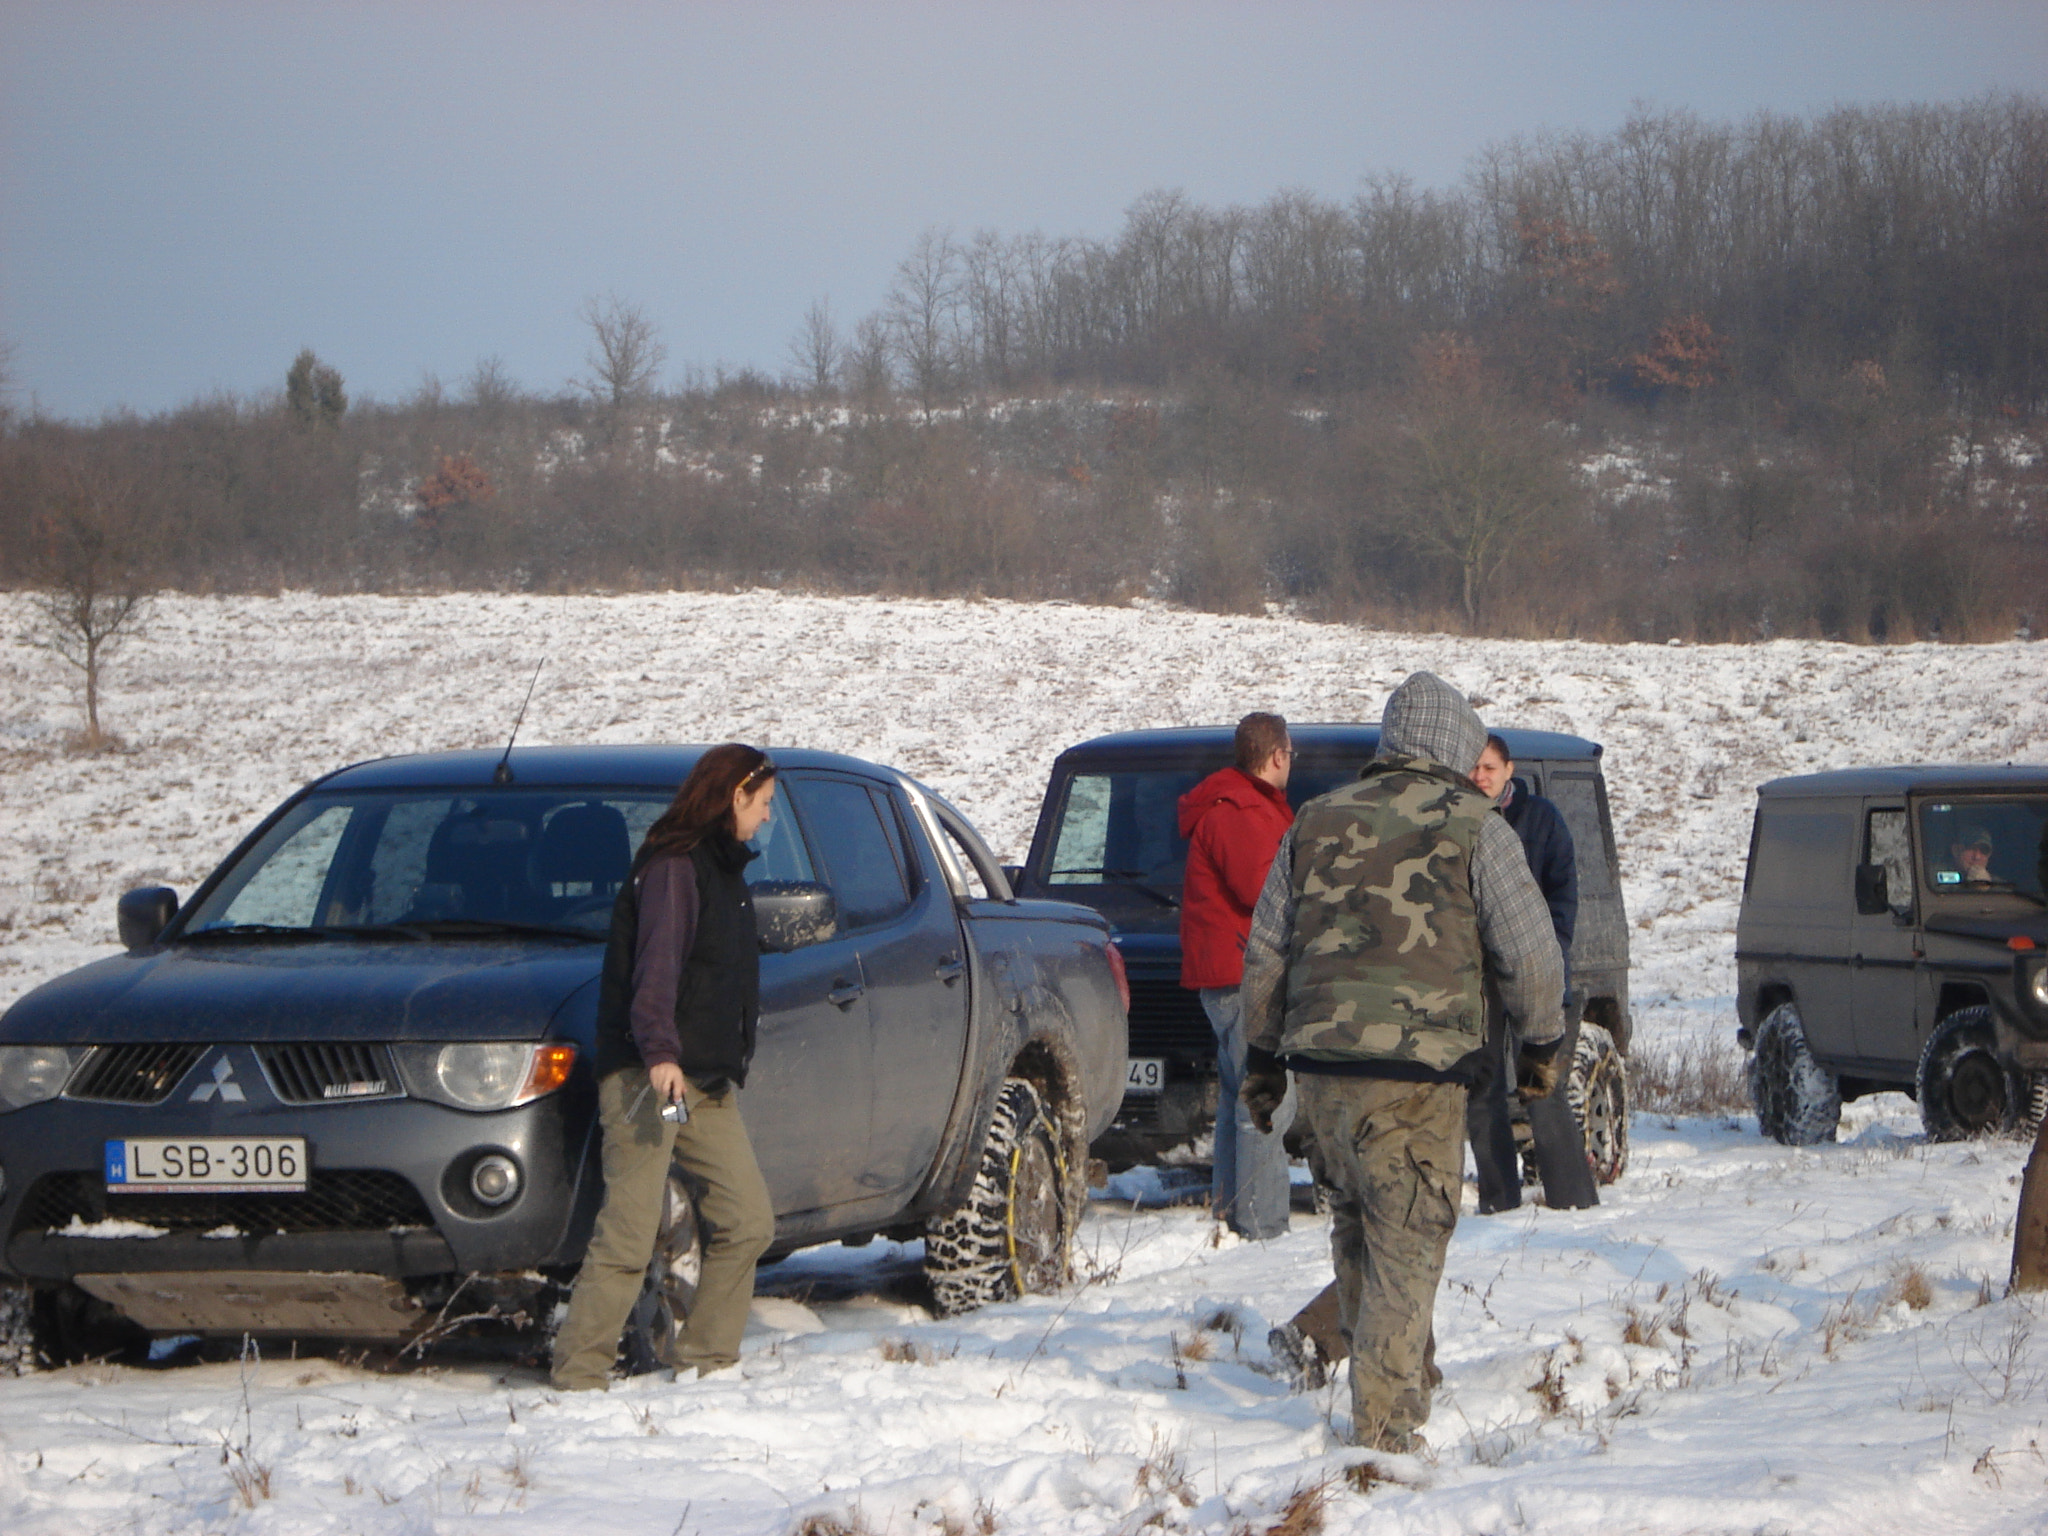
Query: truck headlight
[
  {"x": 2037, "y": 985},
  {"x": 30, "y": 1074},
  {"x": 492, "y": 1074}
]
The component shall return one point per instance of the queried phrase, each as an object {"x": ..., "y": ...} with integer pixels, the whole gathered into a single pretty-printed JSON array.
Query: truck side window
[
  {"x": 780, "y": 844},
  {"x": 1885, "y": 842},
  {"x": 862, "y": 856}
]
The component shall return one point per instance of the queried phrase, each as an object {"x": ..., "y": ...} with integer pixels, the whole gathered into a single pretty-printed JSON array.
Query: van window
[
  {"x": 1800, "y": 853},
  {"x": 1885, "y": 842},
  {"x": 1985, "y": 844}
]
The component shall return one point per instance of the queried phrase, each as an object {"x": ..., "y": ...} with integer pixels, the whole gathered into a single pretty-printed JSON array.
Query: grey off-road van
[
  {"x": 1108, "y": 837},
  {"x": 1893, "y": 936}
]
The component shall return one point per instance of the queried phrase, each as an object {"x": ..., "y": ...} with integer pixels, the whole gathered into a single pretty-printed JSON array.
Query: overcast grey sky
[{"x": 190, "y": 192}]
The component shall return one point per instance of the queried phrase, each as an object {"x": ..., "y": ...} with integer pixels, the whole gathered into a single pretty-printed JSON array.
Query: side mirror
[
  {"x": 793, "y": 913},
  {"x": 1872, "y": 897},
  {"x": 1014, "y": 873},
  {"x": 141, "y": 916}
]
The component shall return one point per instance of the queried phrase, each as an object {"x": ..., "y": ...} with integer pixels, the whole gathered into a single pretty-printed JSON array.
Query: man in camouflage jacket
[{"x": 1390, "y": 904}]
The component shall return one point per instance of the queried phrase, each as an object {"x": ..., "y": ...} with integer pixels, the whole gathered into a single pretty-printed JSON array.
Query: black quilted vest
[{"x": 718, "y": 995}]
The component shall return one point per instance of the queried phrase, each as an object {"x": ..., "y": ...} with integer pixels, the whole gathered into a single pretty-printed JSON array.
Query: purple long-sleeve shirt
[{"x": 668, "y": 929}]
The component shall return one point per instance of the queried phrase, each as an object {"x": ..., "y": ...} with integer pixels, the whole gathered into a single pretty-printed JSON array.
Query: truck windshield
[
  {"x": 1985, "y": 845},
  {"x": 449, "y": 862}
]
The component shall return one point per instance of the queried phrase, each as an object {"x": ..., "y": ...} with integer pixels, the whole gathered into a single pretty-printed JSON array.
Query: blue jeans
[{"x": 1250, "y": 1184}]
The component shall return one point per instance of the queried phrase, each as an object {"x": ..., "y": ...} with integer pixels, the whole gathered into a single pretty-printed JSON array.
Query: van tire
[
  {"x": 1798, "y": 1102},
  {"x": 1964, "y": 1088},
  {"x": 1012, "y": 1236}
]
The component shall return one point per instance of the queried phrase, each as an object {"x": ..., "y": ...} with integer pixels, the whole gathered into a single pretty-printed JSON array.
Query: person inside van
[{"x": 1970, "y": 854}]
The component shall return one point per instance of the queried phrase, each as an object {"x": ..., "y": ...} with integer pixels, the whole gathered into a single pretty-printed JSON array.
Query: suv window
[
  {"x": 1798, "y": 853},
  {"x": 861, "y": 848},
  {"x": 1577, "y": 798},
  {"x": 1121, "y": 826},
  {"x": 1885, "y": 842},
  {"x": 1985, "y": 844}
]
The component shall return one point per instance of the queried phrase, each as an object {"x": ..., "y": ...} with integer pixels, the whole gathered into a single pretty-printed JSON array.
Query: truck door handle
[
  {"x": 950, "y": 969},
  {"x": 845, "y": 994}
]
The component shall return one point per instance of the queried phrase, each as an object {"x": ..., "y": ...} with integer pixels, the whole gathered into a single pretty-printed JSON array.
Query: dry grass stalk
[
  {"x": 1693, "y": 1076},
  {"x": 1912, "y": 1286},
  {"x": 1303, "y": 1513}
]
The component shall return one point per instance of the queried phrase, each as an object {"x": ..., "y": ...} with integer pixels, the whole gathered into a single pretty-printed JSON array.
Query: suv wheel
[
  {"x": 1597, "y": 1091},
  {"x": 1797, "y": 1100},
  {"x": 1963, "y": 1087},
  {"x": 657, "y": 1319},
  {"x": 1011, "y": 1236}
]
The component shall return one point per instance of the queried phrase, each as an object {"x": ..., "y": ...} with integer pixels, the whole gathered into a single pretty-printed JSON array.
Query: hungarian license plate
[
  {"x": 207, "y": 1164},
  {"x": 1145, "y": 1074}
]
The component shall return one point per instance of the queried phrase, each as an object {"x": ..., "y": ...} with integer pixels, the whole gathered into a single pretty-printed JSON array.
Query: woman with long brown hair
[{"x": 675, "y": 1027}]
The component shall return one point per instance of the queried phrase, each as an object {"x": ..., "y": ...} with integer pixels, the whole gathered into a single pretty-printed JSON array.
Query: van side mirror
[
  {"x": 1014, "y": 873},
  {"x": 790, "y": 914},
  {"x": 142, "y": 915},
  {"x": 1872, "y": 897}
]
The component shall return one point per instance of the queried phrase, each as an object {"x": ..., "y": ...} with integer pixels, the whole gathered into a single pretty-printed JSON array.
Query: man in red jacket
[{"x": 1233, "y": 821}]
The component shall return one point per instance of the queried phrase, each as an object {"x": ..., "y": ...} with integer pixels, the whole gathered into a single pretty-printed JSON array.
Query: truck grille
[
  {"x": 368, "y": 1200},
  {"x": 132, "y": 1074},
  {"x": 1167, "y": 1020},
  {"x": 328, "y": 1073}
]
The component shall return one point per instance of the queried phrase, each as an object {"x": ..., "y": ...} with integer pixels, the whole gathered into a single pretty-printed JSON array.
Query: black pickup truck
[
  {"x": 346, "y": 1088},
  {"x": 1108, "y": 835}
]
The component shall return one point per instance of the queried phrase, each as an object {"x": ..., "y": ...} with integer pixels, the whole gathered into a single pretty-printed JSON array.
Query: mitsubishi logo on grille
[{"x": 223, "y": 1085}]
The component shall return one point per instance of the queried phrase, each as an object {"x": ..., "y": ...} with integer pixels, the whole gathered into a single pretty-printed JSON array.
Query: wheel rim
[
  {"x": 1037, "y": 1213},
  {"x": 1603, "y": 1119},
  {"x": 1976, "y": 1091}
]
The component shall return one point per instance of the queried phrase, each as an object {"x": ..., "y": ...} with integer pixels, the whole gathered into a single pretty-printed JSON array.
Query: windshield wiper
[
  {"x": 486, "y": 927},
  {"x": 250, "y": 931}
]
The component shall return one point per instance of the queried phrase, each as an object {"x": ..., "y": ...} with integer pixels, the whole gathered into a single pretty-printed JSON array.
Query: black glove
[
  {"x": 1536, "y": 1069},
  {"x": 1265, "y": 1085}
]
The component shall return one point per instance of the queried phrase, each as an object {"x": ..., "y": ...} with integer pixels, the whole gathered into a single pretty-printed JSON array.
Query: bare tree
[
  {"x": 866, "y": 362},
  {"x": 96, "y": 595},
  {"x": 816, "y": 350},
  {"x": 626, "y": 353},
  {"x": 923, "y": 310},
  {"x": 1474, "y": 477}
]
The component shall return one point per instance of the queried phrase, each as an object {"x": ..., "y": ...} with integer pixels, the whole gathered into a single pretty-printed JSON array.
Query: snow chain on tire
[
  {"x": 1011, "y": 1236},
  {"x": 670, "y": 1289},
  {"x": 1797, "y": 1100}
]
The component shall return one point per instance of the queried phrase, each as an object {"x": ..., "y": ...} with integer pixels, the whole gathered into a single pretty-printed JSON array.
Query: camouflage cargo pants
[{"x": 1394, "y": 1156}]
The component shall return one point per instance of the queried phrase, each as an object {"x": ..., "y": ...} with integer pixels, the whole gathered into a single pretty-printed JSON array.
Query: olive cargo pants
[
  {"x": 734, "y": 1212},
  {"x": 1394, "y": 1156}
]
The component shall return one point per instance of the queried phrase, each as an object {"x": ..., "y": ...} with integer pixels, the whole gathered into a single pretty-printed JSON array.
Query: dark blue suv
[{"x": 1108, "y": 835}]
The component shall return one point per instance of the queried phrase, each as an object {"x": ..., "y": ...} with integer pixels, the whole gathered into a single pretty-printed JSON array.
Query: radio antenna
[{"x": 502, "y": 774}]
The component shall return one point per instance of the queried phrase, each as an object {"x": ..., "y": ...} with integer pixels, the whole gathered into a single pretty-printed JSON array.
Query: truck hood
[{"x": 426, "y": 990}]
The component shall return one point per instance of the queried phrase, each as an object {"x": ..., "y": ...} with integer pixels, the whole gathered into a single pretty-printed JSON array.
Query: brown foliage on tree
[
  {"x": 457, "y": 482},
  {"x": 1684, "y": 355}
]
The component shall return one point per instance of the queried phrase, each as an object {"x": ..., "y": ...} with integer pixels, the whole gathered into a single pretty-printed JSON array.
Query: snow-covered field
[{"x": 1743, "y": 1337}]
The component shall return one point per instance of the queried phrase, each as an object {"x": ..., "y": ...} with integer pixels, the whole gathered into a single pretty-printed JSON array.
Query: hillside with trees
[{"x": 1686, "y": 379}]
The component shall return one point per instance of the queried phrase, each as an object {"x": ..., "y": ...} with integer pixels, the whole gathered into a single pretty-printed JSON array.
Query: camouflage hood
[{"x": 1427, "y": 718}]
